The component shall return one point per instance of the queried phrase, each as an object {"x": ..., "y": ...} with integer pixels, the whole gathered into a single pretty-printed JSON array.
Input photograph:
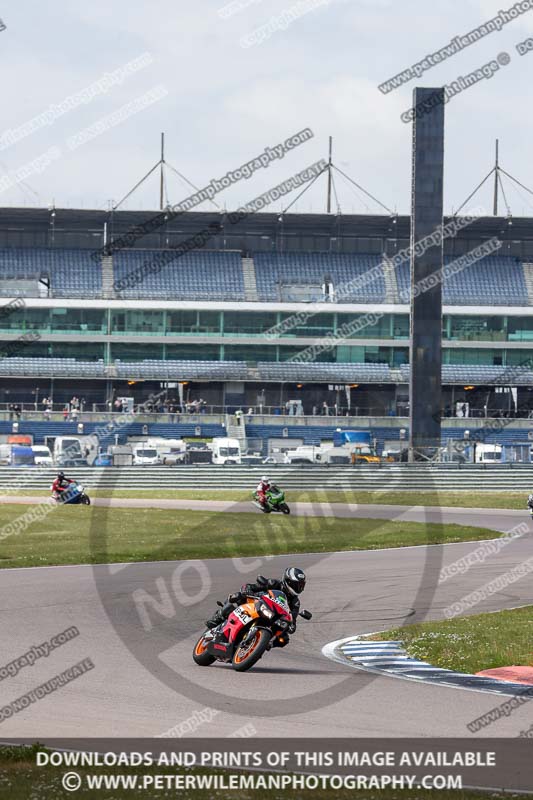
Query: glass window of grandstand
[
  {"x": 199, "y": 352},
  {"x": 517, "y": 358},
  {"x": 286, "y": 353},
  {"x": 138, "y": 321},
  {"x": 248, "y": 323},
  {"x": 78, "y": 320},
  {"x": 83, "y": 352},
  {"x": 26, "y": 319},
  {"x": 190, "y": 322},
  {"x": 88, "y": 351},
  {"x": 355, "y": 354},
  {"x": 251, "y": 353},
  {"x": 136, "y": 352},
  {"x": 380, "y": 330},
  {"x": 472, "y": 356},
  {"x": 400, "y": 326},
  {"x": 474, "y": 328},
  {"x": 520, "y": 329},
  {"x": 313, "y": 325}
]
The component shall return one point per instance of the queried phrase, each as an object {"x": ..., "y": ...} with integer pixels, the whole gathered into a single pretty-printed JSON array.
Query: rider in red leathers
[
  {"x": 61, "y": 484},
  {"x": 262, "y": 488}
]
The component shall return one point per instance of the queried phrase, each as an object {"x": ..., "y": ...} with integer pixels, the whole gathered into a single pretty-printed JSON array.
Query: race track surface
[{"x": 292, "y": 692}]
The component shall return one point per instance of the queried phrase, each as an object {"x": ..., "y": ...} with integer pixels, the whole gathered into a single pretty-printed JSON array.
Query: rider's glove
[{"x": 235, "y": 597}]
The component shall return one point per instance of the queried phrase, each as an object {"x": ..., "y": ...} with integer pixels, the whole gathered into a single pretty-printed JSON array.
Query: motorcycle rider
[
  {"x": 262, "y": 488},
  {"x": 61, "y": 484},
  {"x": 530, "y": 504},
  {"x": 292, "y": 583}
]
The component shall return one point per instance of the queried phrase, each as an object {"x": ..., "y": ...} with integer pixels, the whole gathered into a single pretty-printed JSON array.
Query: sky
[{"x": 221, "y": 104}]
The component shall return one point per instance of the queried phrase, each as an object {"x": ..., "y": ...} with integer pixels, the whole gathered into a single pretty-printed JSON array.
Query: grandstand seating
[
  {"x": 480, "y": 374},
  {"x": 72, "y": 273},
  {"x": 286, "y": 372},
  {"x": 324, "y": 372},
  {"x": 51, "y": 367},
  {"x": 494, "y": 280},
  {"x": 218, "y": 275},
  {"x": 198, "y": 370},
  {"x": 346, "y": 272},
  {"x": 206, "y": 274}
]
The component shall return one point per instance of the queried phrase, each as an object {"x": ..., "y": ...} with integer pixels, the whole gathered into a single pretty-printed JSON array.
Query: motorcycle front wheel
[
  {"x": 86, "y": 501},
  {"x": 200, "y": 654},
  {"x": 285, "y": 508},
  {"x": 251, "y": 651}
]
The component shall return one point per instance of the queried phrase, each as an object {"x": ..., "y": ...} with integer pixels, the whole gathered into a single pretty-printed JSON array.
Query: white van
[
  {"x": 68, "y": 452},
  {"x": 145, "y": 453},
  {"x": 43, "y": 456},
  {"x": 226, "y": 451},
  {"x": 488, "y": 453},
  {"x": 171, "y": 451}
]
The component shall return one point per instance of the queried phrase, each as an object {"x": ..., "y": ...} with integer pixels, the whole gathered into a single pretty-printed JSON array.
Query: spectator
[
  {"x": 65, "y": 413},
  {"x": 74, "y": 414},
  {"x": 238, "y": 416},
  {"x": 47, "y": 413},
  {"x": 18, "y": 411},
  {"x": 250, "y": 414},
  {"x": 325, "y": 409}
]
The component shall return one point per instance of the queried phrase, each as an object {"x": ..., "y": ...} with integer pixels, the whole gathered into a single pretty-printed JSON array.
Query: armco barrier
[{"x": 386, "y": 477}]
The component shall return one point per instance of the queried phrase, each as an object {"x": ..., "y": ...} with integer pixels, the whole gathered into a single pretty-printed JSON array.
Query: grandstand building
[{"x": 253, "y": 318}]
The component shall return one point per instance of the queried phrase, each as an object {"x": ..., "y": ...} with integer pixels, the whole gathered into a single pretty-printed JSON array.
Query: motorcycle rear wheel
[
  {"x": 200, "y": 654},
  {"x": 246, "y": 656}
]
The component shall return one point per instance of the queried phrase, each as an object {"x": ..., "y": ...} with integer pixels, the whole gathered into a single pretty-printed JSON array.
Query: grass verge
[
  {"x": 471, "y": 644},
  {"x": 20, "y": 779},
  {"x": 461, "y": 499},
  {"x": 63, "y": 536}
]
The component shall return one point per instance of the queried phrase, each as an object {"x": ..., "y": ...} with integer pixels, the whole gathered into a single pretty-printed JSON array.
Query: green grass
[
  {"x": 80, "y": 534},
  {"x": 463, "y": 498},
  {"x": 471, "y": 644},
  {"x": 20, "y": 779}
]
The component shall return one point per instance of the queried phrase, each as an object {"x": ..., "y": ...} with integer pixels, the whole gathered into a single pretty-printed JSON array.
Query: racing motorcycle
[
  {"x": 74, "y": 495},
  {"x": 275, "y": 501},
  {"x": 260, "y": 623}
]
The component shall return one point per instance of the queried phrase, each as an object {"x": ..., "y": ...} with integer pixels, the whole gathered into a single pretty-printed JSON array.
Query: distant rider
[
  {"x": 530, "y": 503},
  {"x": 262, "y": 488},
  {"x": 292, "y": 583},
  {"x": 61, "y": 484}
]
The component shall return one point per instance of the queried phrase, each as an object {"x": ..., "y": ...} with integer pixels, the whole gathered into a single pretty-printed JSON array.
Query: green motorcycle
[{"x": 275, "y": 501}]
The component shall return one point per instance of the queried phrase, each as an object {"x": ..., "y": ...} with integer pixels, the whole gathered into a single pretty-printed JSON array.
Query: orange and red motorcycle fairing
[{"x": 247, "y": 632}]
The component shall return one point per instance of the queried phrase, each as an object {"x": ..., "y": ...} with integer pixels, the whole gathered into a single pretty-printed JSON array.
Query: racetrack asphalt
[{"x": 294, "y": 692}]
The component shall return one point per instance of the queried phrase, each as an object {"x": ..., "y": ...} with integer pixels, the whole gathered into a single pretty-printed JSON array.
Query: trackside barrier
[{"x": 405, "y": 477}]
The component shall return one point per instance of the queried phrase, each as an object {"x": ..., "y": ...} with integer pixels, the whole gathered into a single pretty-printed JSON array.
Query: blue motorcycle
[{"x": 74, "y": 495}]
